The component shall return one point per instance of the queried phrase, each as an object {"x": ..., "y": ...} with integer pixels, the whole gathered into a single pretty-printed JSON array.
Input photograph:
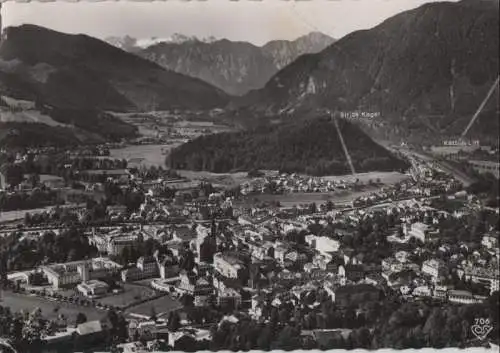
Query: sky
[{"x": 244, "y": 20}]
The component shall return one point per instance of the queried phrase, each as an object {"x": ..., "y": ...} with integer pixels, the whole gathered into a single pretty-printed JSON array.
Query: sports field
[{"x": 50, "y": 309}]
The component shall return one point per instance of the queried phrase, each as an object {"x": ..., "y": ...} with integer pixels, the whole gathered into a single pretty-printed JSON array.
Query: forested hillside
[{"x": 312, "y": 147}]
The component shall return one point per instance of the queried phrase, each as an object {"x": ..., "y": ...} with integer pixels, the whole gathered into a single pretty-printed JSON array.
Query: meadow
[
  {"x": 147, "y": 155},
  {"x": 50, "y": 309}
]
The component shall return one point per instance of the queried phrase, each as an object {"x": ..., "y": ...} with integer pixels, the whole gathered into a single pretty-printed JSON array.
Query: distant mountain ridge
[
  {"x": 235, "y": 67},
  {"x": 284, "y": 52},
  {"x": 132, "y": 44},
  {"x": 425, "y": 70},
  {"x": 101, "y": 76},
  {"x": 73, "y": 79}
]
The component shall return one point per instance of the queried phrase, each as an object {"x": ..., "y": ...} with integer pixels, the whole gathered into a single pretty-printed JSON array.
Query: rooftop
[
  {"x": 230, "y": 258},
  {"x": 90, "y": 327},
  {"x": 92, "y": 284},
  {"x": 358, "y": 288}
]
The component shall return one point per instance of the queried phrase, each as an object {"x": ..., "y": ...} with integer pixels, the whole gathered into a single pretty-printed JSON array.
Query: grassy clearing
[
  {"x": 387, "y": 178},
  {"x": 292, "y": 199},
  {"x": 232, "y": 179},
  {"x": 8, "y": 216},
  {"x": 148, "y": 155},
  {"x": 50, "y": 309}
]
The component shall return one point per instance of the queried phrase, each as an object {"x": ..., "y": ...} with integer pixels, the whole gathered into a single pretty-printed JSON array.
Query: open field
[
  {"x": 338, "y": 196},
  {"x": 223, "y": 179},
  {"x": 160, "y": 306},
  {"x": 147, "y": 155},
  {"x": 7, "y": 216},
  {"x": 385, "y": 177},
  {"x": 231, "y": 179},
  {"x": 18, "y": 302}
]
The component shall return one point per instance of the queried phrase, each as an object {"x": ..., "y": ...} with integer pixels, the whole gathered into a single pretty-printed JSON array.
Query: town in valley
[{"x": 147, "y": 210}]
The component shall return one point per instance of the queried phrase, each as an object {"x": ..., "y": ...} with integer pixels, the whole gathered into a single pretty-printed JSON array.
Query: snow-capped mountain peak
[{"x": 127, "y": 42}]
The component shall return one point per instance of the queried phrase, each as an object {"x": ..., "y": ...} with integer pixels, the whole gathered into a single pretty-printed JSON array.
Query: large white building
[
  {"x": 463, "y": 297},
  {"x": 487, "y": 276},
  {"x": 322, "y": 244},
  {"x": 418, "y": 231},
  {"x": 114, "y": 242},
  {"x": 72, "y": 273},
  {"x": 434, "y": 268},
  {"x": 93, "y": 288},
  {"x": 196, "y": 286},
  {"x": 146, "y": 267},
  {"x": 490, "y": 241},
  {"x": 116, "y": 245},
  {"x": 227, "y": 265}
]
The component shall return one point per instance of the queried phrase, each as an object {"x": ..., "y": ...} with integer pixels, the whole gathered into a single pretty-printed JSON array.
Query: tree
[
  {"x": 152, "y": 313},
  {"x": 288, "y": 339},
  {"x": 185, "y": 344},
  {"x": 186, "y": 300},
  {"x": 264, "y": 339},
  {"x": 361, "y": 338},
  {"x": 27, "y": 219},
  {"x": 174, "y": 321},
  {"x": 187, "y": 261},
  {"x": 80, "y": 318},
  {"x": 34, "y": 180},
  {"x": 126, "y": 256},
  {"x": 13, "y": 174}
]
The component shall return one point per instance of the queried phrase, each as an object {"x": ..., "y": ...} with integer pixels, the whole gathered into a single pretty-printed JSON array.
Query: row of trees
[
  {"x": 62, "y": 164},
  {"x": 394, "y": 325},
  {"x": 69, "y": 245},
  {"x": 27, "y": 200},
  {"x": 130, "y": 197},
  {"x": 26, "y": 331}
]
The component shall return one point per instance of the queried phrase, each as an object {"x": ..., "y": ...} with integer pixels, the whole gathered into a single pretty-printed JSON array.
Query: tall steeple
[{"x": 213, "y": 229}]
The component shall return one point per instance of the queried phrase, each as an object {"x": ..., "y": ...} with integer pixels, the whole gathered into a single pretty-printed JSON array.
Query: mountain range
[
  {"x": 425, "y": 70},
  {"x": 132, "y": 44},
  {"x": 424, "y": 73},
  {"x": 235, "y": 67},
  {"x": 67, "y": 82},
  {"x": 43, "y": 63}
]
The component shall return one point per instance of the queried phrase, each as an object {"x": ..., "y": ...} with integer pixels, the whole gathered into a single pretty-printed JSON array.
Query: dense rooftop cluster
[{"x": 191, "y": 265}]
